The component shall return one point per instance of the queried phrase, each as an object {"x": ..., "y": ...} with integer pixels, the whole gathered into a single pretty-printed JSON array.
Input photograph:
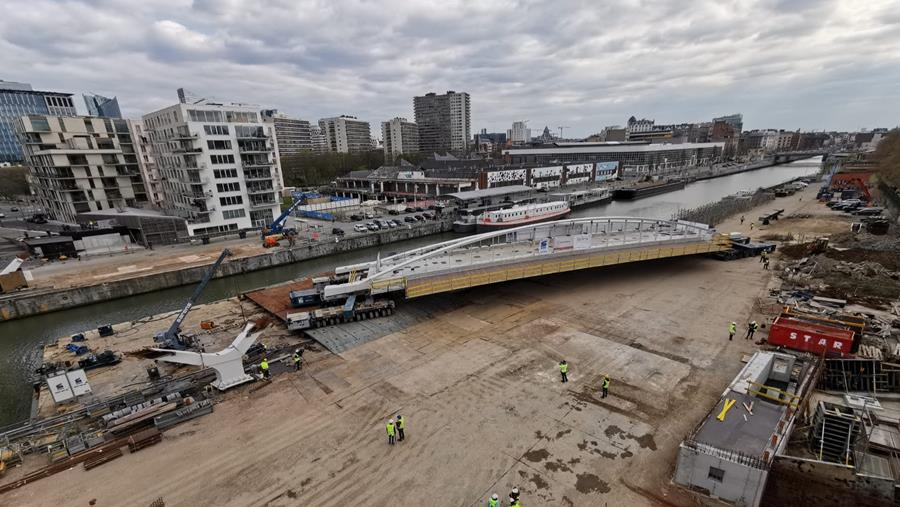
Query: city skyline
[{"x": 808, "y": 65}]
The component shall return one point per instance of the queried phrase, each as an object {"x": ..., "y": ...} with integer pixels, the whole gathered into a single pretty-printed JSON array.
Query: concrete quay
[{"x": 25, "y": 304}]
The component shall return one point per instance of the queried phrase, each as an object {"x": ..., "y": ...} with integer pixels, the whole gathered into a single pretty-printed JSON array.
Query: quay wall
[{"x": 25, "y": 304}]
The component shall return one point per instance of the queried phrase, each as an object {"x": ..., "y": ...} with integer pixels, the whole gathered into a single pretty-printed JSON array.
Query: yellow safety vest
[
  {"x": 564, "y": 367},
  {"x": 390, "y": 429},
  {"x": 732, "y": 328},
  {"x": 400, "y": 423},
  {"x": 493, "y": 503},
  {"x": 606, "y": 383},
  {"x": 264, "y": 365},
  {"x": 296, "y": 358}
]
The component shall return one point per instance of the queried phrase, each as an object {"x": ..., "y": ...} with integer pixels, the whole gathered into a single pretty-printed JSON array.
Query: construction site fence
[
  {"x": 716, "y": 212},
  {"x": 727, "y": 454}
]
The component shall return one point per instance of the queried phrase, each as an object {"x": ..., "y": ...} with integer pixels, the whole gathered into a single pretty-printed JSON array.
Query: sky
[{"x": 791, "y": 64}]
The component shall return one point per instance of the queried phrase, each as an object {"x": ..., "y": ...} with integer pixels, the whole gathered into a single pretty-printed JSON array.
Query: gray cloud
[{"x": 783, "y": 63}]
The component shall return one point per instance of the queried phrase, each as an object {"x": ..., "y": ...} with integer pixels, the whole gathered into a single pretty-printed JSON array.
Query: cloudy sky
[{"x": 783, "y": 63}]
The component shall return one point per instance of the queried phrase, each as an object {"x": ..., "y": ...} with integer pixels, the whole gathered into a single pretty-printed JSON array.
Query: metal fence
[
  {"x": 727, "y": 454},
  {"x": 716, "y": 212}
]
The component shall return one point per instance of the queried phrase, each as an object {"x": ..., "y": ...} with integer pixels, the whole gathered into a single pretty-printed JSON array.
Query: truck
[
  {"x": 349, "y": 312},
  {"x": 741, "y": 247}
]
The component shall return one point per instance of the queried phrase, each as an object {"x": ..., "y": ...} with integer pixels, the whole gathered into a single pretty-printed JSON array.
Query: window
[
  {"x": 221, "y": 159},
  {"x": 219, "y": 145},
  {"x": 225, "y": 173},
  {"x": 205, "y": 116},
  {"x": 241, "y": 117},
  {"x": 216, "y": 130},
  {"x": 716, "y": 474},
  {"x": 233, "y": 213},
  {"x": 231, "y": 200},
  {"x": 228, "y": 187}
]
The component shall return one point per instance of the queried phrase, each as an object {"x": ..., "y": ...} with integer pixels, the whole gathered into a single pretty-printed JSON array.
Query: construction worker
[
  {"x": 515, "y": 503},
  {"x": 564, "y": 370},
  {"x": 514, "y": 497},
  {"x": 605, "y": 385},
  {"x": 494, "y": 501},
  {"x": 401, "y": 422},
  {"x": 391, "y": 431},
  {"x": 742, "y": 219},
  {"x": 264, "y": 366},
  {"x": 732, "y": 328},
  {"x": 766, "y": 263},
  {"x": 763, "y": 255},
  {"x": 298, "y": 359},
  {"x": 751, "y": 329}
]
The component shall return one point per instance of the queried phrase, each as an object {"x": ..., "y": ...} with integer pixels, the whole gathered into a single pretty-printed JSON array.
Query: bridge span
[{"x": 524, "y": 252}]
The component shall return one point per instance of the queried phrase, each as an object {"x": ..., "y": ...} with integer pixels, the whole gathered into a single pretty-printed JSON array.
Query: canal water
[{"x": 21, "y": 340}]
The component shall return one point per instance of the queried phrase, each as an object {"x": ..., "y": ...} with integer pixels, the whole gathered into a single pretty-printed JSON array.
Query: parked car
[
  {"x": 14, "y": 209},
  {"x": 360, "y": 228},
  {"x": 2, "y": 215},
  {"x": 337, "y": 232},
  {"x": 370, "y": 215},
  {"x": 429, "y": 216},
  {"x": 868, "y": 211},
  {"x": 392, "y": 224},
  {"x": 409, "y": 218},
  {"x": 420, "y": 209},
  {"x": 372, "y": 226},
  {"x": 410, "y": 210},
  {"x": 393, "y": 212},
  {"x": 420, "y": 218},
  {"x": 357, "y": 217}
]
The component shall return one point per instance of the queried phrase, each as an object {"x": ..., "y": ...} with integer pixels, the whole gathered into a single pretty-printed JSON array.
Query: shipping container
[{"x": 811, "y": 337}]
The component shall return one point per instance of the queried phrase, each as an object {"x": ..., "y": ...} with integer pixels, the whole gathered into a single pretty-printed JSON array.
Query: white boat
[{"x": 525, "y": 214}]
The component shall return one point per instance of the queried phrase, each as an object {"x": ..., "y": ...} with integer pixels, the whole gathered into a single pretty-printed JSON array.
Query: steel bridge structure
[{"x": 524, "y": 252}]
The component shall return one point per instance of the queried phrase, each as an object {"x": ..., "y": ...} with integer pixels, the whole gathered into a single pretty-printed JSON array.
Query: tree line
[{"x": 888, "y": 157}]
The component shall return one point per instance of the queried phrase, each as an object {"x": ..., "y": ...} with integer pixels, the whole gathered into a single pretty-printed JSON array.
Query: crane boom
[
  {"x": 172, "y": 336},
  {"x": 278, "y": 224}
]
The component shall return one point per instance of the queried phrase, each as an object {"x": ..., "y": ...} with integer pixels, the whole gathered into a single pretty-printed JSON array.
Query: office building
[
  {"x": 17, "y": 100},
  {"x": 80, "y": 164},
  {"x": 444, "y": 122},
  {"x": 346, "y": 134},
  {"x": 400, "y": 136},
  {"x": 102, "y": 107},
  {"x": 218, "y": 164},
  {"x": 630, "y": 159},
  {"x": 317, "y": 139},
  {"x": 294, "y": 136},
  {"x": 519, "y": 133},
  {"x": 736, "y": 121}
]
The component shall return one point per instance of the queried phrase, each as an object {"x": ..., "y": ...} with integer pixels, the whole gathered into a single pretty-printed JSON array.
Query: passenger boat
[{"x": 526, "y": 214}]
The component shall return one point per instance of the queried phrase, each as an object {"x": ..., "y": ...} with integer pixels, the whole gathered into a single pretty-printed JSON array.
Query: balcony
[
  {"x": 259, "y": 190},
  {"x": 195, "y": 194},
  {"x": 188, "y": 151},
  {"x": 262, "y": 203},
  {"x": 256, "y": 163},
  {"x": 183, "y": 136},
  {"x": 254, "y": 149},
  {"x": 257, "y": 176}
]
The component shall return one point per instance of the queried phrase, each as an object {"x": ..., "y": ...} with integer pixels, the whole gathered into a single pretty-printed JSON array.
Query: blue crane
[
  {"x": 277, "y": 226},
  {"x": 171, "y": 338}
]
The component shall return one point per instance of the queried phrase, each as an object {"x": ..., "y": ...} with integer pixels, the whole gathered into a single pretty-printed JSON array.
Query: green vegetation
[
  {"x": 13, "y": 182},
  {"x": 310, "y": 169},
  {"x": 888, "y": 157}
]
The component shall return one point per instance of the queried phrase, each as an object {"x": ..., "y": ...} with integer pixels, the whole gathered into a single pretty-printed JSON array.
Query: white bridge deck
[{"x": 526, "y": 251}]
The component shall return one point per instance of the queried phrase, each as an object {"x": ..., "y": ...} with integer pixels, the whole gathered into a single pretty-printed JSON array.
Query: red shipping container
[{"x": 810, "y": 337}]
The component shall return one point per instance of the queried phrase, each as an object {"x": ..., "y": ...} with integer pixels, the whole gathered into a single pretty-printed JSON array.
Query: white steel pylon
[{"x": 227, "y": 362}]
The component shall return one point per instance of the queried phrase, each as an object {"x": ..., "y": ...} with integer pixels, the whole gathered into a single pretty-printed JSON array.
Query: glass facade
[{"x": 17, "y": 103}]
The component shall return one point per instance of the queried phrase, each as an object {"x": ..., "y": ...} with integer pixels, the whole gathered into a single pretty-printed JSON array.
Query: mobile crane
[
  {"x": 172, "y": 337},
  {"x": 275, "y": 231}
]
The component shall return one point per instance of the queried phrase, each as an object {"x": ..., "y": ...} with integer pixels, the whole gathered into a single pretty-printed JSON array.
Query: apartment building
[
  {"x": 346, "y": 134},
  {"x": 81, "y": 164},
  {"x": 293, "y": 136},
  {"x": 218, "y": 165},
  {"x": 400, "y": 136},
  {"x": 146, "y": 164},
  {"x": 444, "y": 122},
  {"x": 519, "y": 133},
  {"x": 104, "y": 107},
  {"x": 17, "y": 100}
]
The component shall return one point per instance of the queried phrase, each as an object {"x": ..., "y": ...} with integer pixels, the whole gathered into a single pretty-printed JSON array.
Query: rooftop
[{"x": 490, "y": 192}]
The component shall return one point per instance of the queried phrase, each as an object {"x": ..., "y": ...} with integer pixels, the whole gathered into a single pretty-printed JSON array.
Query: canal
[{"x": 20, "y": 345}]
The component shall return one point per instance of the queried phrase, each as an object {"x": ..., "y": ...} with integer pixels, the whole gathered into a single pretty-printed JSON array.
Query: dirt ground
[{"x": 480, "y": 390}]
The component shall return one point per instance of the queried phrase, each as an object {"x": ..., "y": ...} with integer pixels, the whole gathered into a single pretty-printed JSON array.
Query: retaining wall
[{"x": 26, "y": 304}]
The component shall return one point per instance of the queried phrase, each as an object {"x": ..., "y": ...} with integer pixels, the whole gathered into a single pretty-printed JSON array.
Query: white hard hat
[
  {"x": 494, "y": 496},
  {"x": 515, "y": 490},
  {"x": 390, "y": 421}
]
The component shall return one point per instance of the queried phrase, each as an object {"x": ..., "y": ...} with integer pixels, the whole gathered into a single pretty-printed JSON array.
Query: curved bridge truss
[{"x": 525, "y": 251}]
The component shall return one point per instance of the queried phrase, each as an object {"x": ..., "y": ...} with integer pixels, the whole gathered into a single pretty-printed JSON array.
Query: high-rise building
[
  {"x": 102, "y": 107},
  {"x": 143, "y": 150},
  {"x": 80, "y": 164},
  {"x": 17, "y": 100},
  {"x": 736, "y": 121},
  {"x": 519, "y": 133},
  {"x": 444, "y": 122},
  {"x": 293, "y": 136},
  {"x": 218, "y": 164},
  {"x": 317, "y": 138},
  {"x": 346, "y": 134},
  {"x": 400, "y": 136}
]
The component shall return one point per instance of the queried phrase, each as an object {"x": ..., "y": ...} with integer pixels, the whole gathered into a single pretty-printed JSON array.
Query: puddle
[
  {"x": 590, "y": 483},
  {"x": 536, "y": 455}
]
